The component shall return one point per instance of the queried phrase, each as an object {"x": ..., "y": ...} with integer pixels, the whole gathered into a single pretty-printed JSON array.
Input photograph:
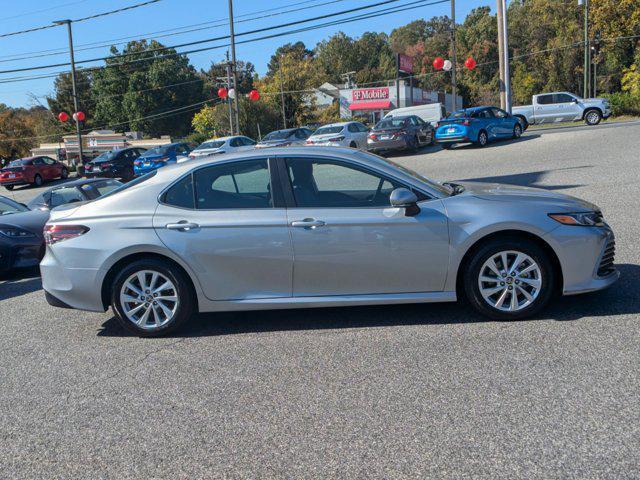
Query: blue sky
[{"x": 166, "y": 15}]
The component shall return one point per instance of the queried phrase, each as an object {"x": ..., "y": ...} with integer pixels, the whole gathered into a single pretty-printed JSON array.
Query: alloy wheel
[
  {"x": 593, "y": 117},
  {"x": 149, "y": 299},
  {"x": 517, "y": 131},
  {"x": 482, "y": 139},
  {"x": 510, "y": 281}
]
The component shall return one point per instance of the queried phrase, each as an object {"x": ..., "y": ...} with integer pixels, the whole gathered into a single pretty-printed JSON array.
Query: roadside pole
[
  {"x": 587, "y": 50},
  {"x": 501, "y": 86},
  {"x": 284, "y": 115},
  {"x": 232, "y": 38},
  {"x": 229, "y": 99},
  {"x": 74, "y": 90},
  {"x": 398, "y": 80},
  {"x": 454, "y": 86}
]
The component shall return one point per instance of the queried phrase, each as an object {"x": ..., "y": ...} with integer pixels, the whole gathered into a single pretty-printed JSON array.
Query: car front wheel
[
  {"x": 509, "y": 279},
  {"x": 593, "y": 117},
  {"x": 483, "y": 139},
  {"x": 517, "y": 130},
  {"x": 151, "y": 297}
]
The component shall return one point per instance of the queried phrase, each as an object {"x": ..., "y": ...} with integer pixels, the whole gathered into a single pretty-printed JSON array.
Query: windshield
[
  {"x": 105, "y": 157},
  {"x": 432, "y": 183},
  {"x": 327, "y": 130},
  {"x": 19, "y": 163},
  {"x": 8, "y": 207},
  {"x": 458, "y": 114},
  {"x": 391, "y": 123},
  {"x": 279, "y": 135},
  {"x": 211, "y": 144},
  {"x": 162, "y": 150}
]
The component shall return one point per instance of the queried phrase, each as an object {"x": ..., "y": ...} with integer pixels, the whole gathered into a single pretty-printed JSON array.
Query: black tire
[
  {"x": 483, "y": 139},
  {"x": 432, "y": 140},
  {"x": 517, "y": 131},
  {"x": 64, "y": 174},
  {"x": 185, "y": 294},
  {"x": 492, "y": 248},
  {"x": 523, "y": 122},
  {"x": 37, "y": 180},
  {"x": 413, "y": 145},
  {"x": 9, "y": 187},
  {"x": 593, "y": 116},
  {"x": 353, "y": 145}
]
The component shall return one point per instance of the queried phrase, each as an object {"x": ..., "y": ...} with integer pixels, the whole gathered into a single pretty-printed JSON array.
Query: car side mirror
[{"x": 405, "y": 198}]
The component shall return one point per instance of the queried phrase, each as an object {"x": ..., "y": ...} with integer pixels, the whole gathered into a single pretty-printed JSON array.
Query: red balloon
[
  {"x": 470, "y": 63},
  {"x": 438, "y": 63},
  {"x": 222, "y": 92},
  {"x": 63, "y": 117},
  {"x": 79, "y": 116},
  {"x": 254, "y": 95}
]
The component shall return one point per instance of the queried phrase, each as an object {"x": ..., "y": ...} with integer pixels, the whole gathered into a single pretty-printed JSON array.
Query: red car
[{"x": 31, "y": 170}]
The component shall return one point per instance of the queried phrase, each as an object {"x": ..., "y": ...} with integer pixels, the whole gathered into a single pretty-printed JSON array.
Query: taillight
[
  {"x": 399, "y": 133},
  {"x": 372, "y": 136},
  {"x": 466, "y": 123},
  {"x": 162, "y": 160},
  {"x": 336, "y": 139},
  {"x": 137, "y": 163},
  {"x": 57, "y": 233},
  {"x": 309, "y": 142},
  {"x": 437, "y": 124}
]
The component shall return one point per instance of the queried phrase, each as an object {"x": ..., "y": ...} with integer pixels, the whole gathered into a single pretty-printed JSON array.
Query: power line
[
  {"x": 165, "y": 33},
  {"x": 42, "y": 10},
  {"x": 224, "y": 37},
  {"x": 90, "y": 17}
]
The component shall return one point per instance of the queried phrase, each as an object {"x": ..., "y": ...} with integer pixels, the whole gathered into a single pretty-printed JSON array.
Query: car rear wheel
[
  {"x": 592, "y": 117},
  {"x": 483, "y": 139},
  {"x": 509, "y": 279},
  {"x": 517, "y": 130},
  {"x": 353, "y": 145},
  {"x": 9, "y": 187},
  {"x": 151, "y": 298},
  {"x": 64, "y": 174},
  {"x": 37, "y": 180}
]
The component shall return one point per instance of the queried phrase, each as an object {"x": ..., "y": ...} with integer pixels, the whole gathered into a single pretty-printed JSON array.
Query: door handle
[
  {"x": 308, "y": 223},
  {"x": 182, "y": 226}
]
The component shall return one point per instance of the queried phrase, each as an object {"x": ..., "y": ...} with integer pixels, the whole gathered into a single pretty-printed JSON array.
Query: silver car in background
[
  {"x": 218, "y": 146},
  {"x": 344, "y": 134},
  {"x": 317, "y": 227}
]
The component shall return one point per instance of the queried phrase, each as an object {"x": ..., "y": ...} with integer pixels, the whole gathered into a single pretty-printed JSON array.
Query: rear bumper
[
  {"x": 453, "y": 139},
  {"x": 13, "y": 181},
  {"x": 100, "y": 175},
  {"x": 386, "y": 145}
]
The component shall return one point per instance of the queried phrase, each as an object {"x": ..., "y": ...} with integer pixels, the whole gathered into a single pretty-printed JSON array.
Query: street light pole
[
  {"x": 284, "y": 115},
  {"x": 503, "y": 47},
  {"x": 454, "y": 86},
  {"x": 228, "y": 99},
  {"x": 232, "y": 38},
  {"x": 587, "y": 49},
  {"x": 74, "y": 87}
]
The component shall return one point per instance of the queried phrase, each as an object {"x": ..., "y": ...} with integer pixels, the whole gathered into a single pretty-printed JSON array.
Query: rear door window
[{"x": 62, "y": 196}]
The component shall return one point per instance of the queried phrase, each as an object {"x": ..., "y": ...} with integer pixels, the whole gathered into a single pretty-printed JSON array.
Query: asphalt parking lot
[{"x": 417, "y": 391}]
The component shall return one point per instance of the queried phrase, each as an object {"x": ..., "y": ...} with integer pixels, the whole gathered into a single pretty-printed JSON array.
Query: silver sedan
[{"x": 318, "y": 227}]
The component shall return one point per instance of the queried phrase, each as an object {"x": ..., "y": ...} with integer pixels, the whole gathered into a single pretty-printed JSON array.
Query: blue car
[
  {"x": 477, "y": 125},
  {"x": 160, "y": 156}
]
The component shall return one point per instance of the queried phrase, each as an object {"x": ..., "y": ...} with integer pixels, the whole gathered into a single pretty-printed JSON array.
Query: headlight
[
  {"x": 584, "y": 219},
  {"x": 15, "y": 232}
]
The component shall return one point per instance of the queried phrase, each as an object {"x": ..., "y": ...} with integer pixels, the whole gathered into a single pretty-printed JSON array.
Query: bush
[{"x": 623, "y": 103}]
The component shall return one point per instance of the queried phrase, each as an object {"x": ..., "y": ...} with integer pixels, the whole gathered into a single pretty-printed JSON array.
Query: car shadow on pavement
[
  {"x": 528, "y": 179},
  {"x": 19, "y": 282},
  {"x": 620, "y": 299},
  {"x": 497, "y": 143}
]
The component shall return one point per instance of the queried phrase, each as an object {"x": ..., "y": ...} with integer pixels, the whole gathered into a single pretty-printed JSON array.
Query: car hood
[
  {"x": 513, "y": 193},
  {"x": 594, "y": 101},
  {"x": 33, "y": 220}
]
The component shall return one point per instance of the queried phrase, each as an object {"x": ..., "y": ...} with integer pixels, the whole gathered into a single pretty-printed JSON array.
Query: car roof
[
  {"x": 223, "y": 139},
  {"x": 338, "y": 124}
]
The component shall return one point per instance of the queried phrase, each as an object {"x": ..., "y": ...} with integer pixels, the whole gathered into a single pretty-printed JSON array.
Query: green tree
[
  {"x": 62, "y": 98},
  {"x": 297, "y": 51}
]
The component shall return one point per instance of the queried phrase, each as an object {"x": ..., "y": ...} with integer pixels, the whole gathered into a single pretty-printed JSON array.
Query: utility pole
[
  {"x": 234, "y": 66},
  {"x": 228, "y": 99},
  {"x": 503, "y": 48},
  {"x": 398, "y": 81},
  {"x": 284, "y": 115},
  {"x": 587, "y": 50},
  {"x": 74, "y": 87},
  {"x": 454, "y": 86}
]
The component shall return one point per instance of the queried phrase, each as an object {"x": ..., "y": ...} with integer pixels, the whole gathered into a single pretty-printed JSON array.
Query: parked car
[
  {"x": 563, "y": 107},
  {"x": 285, "y": 138},
  {"x": 160, "y": 156},
  {"x": 345, "y": 134},
  {"x": 431, "y": 112},
  {"x": 220, "y": 235},
  {"x": 114, "y": 164},
  {"x": 80, "y": 190},
  {"x": 400, "y": 133},
  {"x": 31, "y": 170},
  {"x": 215, "y": 146},
  {"x": 21, "y": 238},
  {"x": 477, "y": 125}
]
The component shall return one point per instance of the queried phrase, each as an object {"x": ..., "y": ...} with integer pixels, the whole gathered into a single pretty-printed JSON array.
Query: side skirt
[{"x": 325, "y": 301}]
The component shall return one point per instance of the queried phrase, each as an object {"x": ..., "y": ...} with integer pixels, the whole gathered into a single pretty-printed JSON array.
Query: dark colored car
[
  {"x": 477, "y": 125},
  {"x": 114, "y": 164},
  {"x": 400, "y": 133},
  {"x": 31, "y": 170},
  {"x": 160, "y": 156},
  {"x": 21, "y": 238},
  {"x": 285, "y": 138},
  {"x": 80, "y": 190}
]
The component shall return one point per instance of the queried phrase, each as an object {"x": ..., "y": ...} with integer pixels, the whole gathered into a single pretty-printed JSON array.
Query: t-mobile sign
[{"x": 365, "y": 94}]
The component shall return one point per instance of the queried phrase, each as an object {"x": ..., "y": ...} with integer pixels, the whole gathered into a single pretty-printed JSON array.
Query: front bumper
[
  {"x": 583, "y": 252},
  {"x": 20, "y": 255}
]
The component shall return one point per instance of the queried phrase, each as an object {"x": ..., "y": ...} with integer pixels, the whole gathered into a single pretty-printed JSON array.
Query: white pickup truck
[{"x": 562, "y": 107}]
